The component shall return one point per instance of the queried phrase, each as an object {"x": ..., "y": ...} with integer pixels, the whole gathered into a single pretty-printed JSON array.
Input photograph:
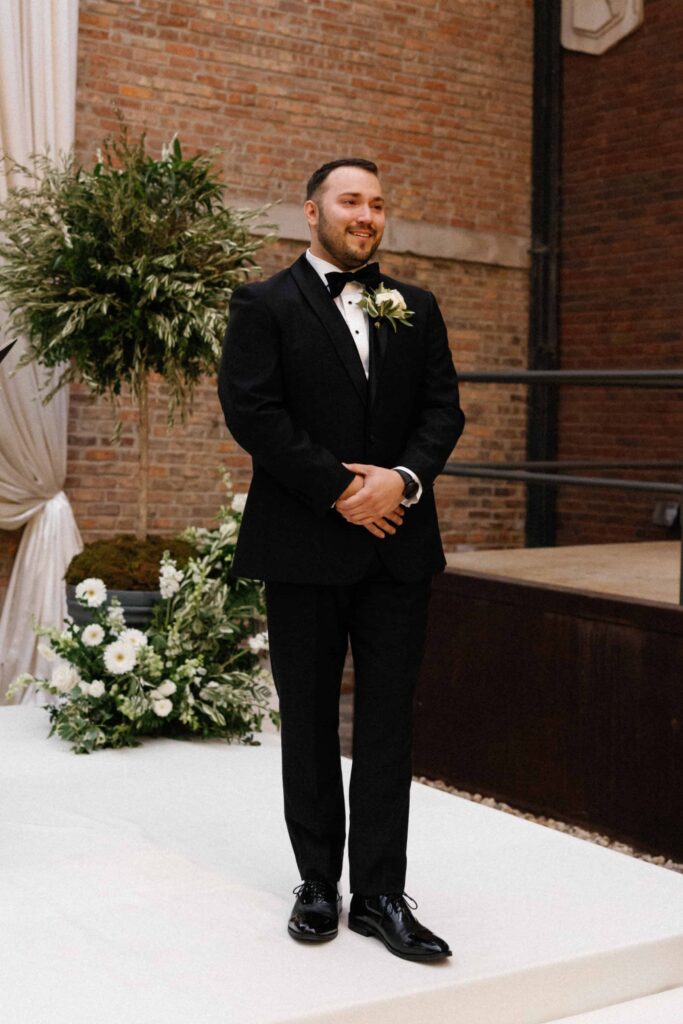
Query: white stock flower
[
  {"x": 119, "y": 657},
  {"x": 45, "y": 651},
  {"x": 166, "y": 688},
  {"x": 92, "y": 591},
  {"x": 162, "y": 707},
  {"x": 96, "y": 688},
  {"x": 238, "y": 502},
  {"x": 258, "y": 642},
  {"x": 92, "y": 635},
  {"x": 135, "y": 637},
  {"x": 227, "y": 529},
  {"x": 64, "y": 677},
  {"x": 115, "y": 616},
  {"x": 170, "y": 578},
  {"x": 168, "y": 586}
]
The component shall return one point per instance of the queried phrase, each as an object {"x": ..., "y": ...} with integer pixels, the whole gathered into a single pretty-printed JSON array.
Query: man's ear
[{"x": 311, "y": 213}]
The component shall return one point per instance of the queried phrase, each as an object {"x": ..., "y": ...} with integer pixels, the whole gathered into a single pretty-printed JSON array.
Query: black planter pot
[{"x": 137, "y": 606}]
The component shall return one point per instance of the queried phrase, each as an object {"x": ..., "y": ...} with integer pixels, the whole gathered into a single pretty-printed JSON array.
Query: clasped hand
[{"x": 372, "y": 499}]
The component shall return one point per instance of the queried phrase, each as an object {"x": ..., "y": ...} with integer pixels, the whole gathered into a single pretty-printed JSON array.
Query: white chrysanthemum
[
  {"x": 45, "y": 651},
  {"x": 119, "y": 657},
  {"x": 92, "y": 591},
  {"x": 64, "y": 677},
  {"x": 96, "y": 688},
  {"x": 258, "y": 642},
  {"x": 166, "y": 688},
  {"x": 162, "y": 707},
  {"x": 92, "y": 635},
  {"x": 135, "y": 637},
  {"x": 238, "y": 502}
]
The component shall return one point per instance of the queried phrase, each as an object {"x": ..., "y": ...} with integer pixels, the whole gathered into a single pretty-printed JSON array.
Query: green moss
[{"x": 125, "y": 563}]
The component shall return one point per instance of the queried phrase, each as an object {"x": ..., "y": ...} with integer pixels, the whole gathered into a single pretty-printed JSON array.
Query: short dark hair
[{"x": 319, "y": 176}]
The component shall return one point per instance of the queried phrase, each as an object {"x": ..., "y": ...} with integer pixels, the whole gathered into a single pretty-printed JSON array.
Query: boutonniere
[{"x": 385, "y": 303}]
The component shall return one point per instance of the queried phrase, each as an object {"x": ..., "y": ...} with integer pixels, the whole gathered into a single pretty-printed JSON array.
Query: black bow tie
[{"x": 368, "y": 276}]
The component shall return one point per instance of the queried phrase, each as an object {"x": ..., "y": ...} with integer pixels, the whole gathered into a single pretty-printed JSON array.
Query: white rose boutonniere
[{"x": 385, "y": 303}]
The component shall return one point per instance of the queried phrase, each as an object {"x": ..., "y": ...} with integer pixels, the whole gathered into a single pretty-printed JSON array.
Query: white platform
[{"x": 153, "y": 885}]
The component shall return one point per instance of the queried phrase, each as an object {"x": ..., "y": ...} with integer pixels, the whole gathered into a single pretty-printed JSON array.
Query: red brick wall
[
  {"x": 622, "y": 253},
  {"x": 439, "y": 94}
]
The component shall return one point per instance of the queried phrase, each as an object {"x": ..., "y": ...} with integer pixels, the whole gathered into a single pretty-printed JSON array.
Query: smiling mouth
[{"x": 362, "y": 234}]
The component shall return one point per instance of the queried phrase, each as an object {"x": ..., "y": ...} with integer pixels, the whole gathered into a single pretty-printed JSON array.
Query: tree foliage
[{"x": 124, "y": 269}]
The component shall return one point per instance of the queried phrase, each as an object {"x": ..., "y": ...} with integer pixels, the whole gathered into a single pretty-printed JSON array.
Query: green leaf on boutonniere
[{"x": 384, "y": 303}]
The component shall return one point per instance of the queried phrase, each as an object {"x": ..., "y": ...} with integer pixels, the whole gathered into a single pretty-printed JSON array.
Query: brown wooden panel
[{"x": 565, "y": 703}]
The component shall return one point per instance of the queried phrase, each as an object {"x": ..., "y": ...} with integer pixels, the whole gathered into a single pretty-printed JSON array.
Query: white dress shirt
[{"x": 359, "y": 326}]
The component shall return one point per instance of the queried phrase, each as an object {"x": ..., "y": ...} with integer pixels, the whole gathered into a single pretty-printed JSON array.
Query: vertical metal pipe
[
  {"x": 680, "y": 523},
  {"x": 545, "y": 233}
]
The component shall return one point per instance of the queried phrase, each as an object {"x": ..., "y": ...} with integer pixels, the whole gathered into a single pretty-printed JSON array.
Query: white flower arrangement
[{"x": 197, "y": 670}]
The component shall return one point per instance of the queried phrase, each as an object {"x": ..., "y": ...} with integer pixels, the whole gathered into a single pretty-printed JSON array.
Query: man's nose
[{"x": 364, "y": 214}]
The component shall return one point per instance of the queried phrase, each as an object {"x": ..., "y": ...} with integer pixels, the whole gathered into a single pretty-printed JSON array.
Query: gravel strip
[{"x": 559, "y": 826}]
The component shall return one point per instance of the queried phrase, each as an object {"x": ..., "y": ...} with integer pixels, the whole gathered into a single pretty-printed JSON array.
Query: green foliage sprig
[{"x": 124, "y": 269}]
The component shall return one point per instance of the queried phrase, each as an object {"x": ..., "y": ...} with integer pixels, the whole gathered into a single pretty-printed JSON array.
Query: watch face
[{"x": 410, "y": 490}]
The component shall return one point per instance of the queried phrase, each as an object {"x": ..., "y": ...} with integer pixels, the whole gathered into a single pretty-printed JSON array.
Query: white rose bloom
[
  {"x": 45, "y": 651},
  {"x": 96, "y": 688},
  {"x": 238, "y": 502},
  {"x": 162, "y": 707},
  {"x": 166, "y": 688},
  {"x": 92, "y": 635},
  {"x": 92, "y": 591},
  {"x": 391, "y": 295},
  {"x": 119, "y": 657},
  {"x": 258, "y": 643},
  {"x": 135, "y": 637},
  {"x": 64, "y": 677}
]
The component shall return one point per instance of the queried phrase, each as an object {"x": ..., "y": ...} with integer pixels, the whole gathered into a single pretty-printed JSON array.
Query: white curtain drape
[{"x": 38, "y": 40}]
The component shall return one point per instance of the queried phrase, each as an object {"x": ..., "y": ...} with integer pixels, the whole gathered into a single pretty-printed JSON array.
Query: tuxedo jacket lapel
[{"x": 325, "y": 308}]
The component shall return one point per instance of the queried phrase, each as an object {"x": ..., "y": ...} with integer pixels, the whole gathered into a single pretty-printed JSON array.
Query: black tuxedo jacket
[{"x": 295, "y": 397}]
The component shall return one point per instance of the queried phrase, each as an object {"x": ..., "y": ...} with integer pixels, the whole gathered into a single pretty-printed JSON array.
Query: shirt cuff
[{"x": 407, "y": 502}]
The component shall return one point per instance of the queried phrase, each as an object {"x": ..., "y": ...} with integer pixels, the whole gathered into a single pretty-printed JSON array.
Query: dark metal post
[
  {"x": 545, "y": 232},
  {"x": 680, "y": 523}
]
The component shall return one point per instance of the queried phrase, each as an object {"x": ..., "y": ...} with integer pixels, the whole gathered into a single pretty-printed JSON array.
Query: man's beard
[{"x": 338, "y": 248}]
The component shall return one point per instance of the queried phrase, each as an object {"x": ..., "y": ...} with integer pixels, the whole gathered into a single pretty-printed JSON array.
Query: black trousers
[{"x": 309, "y": 628}]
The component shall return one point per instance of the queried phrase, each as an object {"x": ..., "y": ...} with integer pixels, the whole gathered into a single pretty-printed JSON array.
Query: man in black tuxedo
[{"x": 348, "y": 423}]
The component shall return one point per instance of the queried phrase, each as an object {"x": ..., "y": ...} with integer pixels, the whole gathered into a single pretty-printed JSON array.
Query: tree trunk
[{"x": 143, "y": 461}]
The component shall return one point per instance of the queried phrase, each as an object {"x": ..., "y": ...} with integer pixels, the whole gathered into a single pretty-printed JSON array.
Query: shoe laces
[
  {"x": 313, "y": 889},
  {"x": 398, "y": 901}
]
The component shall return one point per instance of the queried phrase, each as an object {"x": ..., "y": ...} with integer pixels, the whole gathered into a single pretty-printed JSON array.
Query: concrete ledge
[{"x": 418, "y": 238}]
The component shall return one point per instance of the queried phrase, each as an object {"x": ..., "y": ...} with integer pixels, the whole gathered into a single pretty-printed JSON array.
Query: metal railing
[{"x": 539, "y": 472}]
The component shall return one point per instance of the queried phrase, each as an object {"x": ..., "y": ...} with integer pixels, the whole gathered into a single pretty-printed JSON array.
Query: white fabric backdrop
[{"x": 38, "y": 40}]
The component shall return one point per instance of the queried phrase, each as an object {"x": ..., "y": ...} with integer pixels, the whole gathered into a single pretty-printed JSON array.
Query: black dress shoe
[
  {"x": 389, "y": 918},
  {"x": 315, "y": 915}
]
